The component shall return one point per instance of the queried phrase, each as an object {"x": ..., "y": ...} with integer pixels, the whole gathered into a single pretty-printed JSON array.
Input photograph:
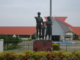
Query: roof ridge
[{"x": 64, "y": 25}]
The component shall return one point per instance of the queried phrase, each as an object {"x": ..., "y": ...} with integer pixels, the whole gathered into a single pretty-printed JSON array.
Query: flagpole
[
  {"x": 50, "y": 8},
  {"x": 51, "y": 15}
]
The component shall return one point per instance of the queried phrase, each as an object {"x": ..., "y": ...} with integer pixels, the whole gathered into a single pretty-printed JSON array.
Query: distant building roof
[
  {"x": 64, "y": 26},
  {"x": 31, "y": 30},
  {"x": 17, "y": 30},
  {"x": 76, "y": 30}
]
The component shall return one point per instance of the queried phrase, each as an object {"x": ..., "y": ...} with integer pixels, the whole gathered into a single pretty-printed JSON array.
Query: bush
[
  {"x": 29, "y": 39},
  {"x": 78, "y": 39},
  {"x": 8, "y": 55},
  {"x": 10, "y": 40},
  {"x": 38, "y": 55},
  {"x": 11, "y": 47},
  {"x": 56, "y": 47}
]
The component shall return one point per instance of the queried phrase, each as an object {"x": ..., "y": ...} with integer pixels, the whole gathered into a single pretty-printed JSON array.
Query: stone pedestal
[{"x": 42, "y": 45}]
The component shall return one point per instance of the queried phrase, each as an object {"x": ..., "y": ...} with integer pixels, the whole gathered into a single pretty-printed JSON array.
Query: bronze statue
[
  {"x": 49, "y": 28},
  {"x": 39, "y": 20},
  {"x": 43, "y": 30}
]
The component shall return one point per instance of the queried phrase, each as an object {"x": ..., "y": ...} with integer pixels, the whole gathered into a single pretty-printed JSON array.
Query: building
[
  {"x": 22, "y": 32},
  {"x": 70, "y": 32}
]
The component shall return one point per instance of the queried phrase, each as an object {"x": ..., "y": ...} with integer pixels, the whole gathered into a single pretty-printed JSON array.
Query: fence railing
[
  {"x": 18, "y": 46},
  {"x": 28, "y": 45},
  {"x": 70, "y": 47},
  {"x": 44, "y": 58}
]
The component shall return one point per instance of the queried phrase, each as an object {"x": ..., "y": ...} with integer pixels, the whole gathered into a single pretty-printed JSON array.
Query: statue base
[{"x": 42, "y": 45}]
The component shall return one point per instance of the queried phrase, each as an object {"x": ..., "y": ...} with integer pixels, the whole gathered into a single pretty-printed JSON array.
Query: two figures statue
[{"x": 41, "y": 28}]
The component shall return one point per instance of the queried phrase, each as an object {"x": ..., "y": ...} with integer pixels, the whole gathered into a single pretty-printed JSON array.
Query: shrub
[
  {"x": 23, "y": 56},
  {"x": 78, "y": 39},
  {"x": 29, "y": 39},
  {"x": 8, "y": 55},
  {"x": 38, "y": 55},
  {"x": 10, "y": 40},
  {"x": 56, "y": 47},
  {"x": 35, "y": 55},
  {"x": 11, "y": 47}
]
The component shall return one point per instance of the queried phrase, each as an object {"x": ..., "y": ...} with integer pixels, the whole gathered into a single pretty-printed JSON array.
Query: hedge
[{"x": 38, "y": 55}]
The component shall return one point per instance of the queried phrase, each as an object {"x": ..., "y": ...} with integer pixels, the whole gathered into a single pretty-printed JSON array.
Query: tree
[{"x": 10, "y": 40}]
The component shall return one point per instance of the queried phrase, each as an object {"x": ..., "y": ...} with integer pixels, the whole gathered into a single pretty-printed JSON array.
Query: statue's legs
[
  {"x": 50, "y": 33},
  {"x": 37, "y": 33},
  {"x": 49, "y": 37},
  {"x": 43, "y": 34},
  {"x": 45, "y": 37}
]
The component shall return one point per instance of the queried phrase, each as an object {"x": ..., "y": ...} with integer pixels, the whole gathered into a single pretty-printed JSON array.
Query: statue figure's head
[
  {"x": 39, "y": 13},
  {"x": 49, "y": 19}
]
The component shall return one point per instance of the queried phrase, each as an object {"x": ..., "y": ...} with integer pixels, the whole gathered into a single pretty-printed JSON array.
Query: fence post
[
  {"x": 66, "y": 47},
  {"x": 28, "y": 46},
  {"x": 1, "y": 44}
]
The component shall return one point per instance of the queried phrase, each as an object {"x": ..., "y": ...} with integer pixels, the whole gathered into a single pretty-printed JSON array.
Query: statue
[
  {"x": 39, "y": 20},
  {"x": 43, "y": 30},
  {"x": 49, "y": 28}
]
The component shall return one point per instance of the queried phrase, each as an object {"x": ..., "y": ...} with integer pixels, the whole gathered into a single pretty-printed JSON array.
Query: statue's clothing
[
  {"x": 38, "y": 21},
  {"x": 43, "y": 30},
  {"x": 43, "y": 27},
  {"x": 49, "y": 28}
]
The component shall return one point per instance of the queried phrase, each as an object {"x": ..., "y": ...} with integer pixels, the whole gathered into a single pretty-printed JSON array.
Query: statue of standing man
[
  {"x": 39, "y": 20},
  {"x": 49, "y": 28}
]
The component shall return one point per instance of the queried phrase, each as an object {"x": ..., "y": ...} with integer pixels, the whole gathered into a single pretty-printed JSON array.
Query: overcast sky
[{"x": 22, "y": 12}]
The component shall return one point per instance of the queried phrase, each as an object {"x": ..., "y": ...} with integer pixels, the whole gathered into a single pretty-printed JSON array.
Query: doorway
[{"x": 55, "y": 38}]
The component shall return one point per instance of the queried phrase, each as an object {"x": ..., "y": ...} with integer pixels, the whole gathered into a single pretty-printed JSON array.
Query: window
[
  {"x": 68, "y": 36},
  {"x": 24, "y": 36}
]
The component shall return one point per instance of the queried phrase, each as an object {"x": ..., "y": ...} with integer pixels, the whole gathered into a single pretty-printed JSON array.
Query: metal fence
[
  {"x": 19, "y": 47},
  {"x": 70, "y": 47},
  {"x": 28, "y": 45}
]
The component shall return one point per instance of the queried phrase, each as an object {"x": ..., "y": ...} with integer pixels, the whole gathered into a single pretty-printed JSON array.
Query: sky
[{"x": 22, "y": 12}]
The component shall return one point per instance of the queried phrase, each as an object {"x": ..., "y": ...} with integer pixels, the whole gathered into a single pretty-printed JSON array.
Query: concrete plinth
[{"x": 42, "y": 45}]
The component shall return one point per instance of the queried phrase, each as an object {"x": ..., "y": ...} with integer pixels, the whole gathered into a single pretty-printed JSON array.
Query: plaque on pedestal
[{"x": 42, "y": 45}]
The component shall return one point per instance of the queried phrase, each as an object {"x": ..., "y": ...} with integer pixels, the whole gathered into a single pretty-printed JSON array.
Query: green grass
[{"x": 12, "y": 47}]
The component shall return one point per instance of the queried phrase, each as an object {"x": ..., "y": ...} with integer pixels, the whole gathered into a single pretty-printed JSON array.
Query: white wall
[
  {"x": 56, "y": 28},
  {"x": 71, "y": 34},
  {"x": 1, "y": 45},
  {"x": 24, "y": 38},
  {"x": 79, "y": 36}
]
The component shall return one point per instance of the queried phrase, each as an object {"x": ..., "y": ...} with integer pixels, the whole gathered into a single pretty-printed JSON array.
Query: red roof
[
  {"x": 76, "y": 30},
  {"x": 32, "y": 30},
  {"x": 17, "y": 30}
]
